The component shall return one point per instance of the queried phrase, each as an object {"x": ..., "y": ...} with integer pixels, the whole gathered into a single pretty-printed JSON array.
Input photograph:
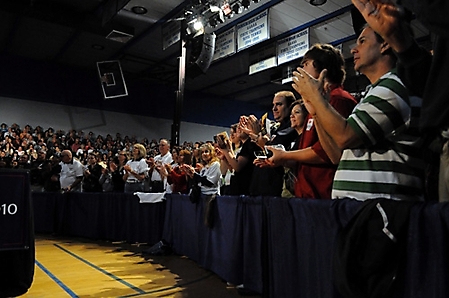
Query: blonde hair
[
  {"x": 211, "y": 149},
  {"x": 142, "y": 150}
]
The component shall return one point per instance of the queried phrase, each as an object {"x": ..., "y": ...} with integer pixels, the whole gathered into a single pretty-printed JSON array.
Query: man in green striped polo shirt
[{"x": 377, "y": 149}]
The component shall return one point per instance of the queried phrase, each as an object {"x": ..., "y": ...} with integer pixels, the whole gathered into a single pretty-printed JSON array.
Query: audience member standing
[
  {"x": 158, "y": 183},
  {"x": 92, "y": 174},
  {"x": 135, "y": 170},
  {"x": 241, "y": 164},
  {"x": 315, "y": 170},
  {"x": 381, "y": 154},
  {"x": 71, "y": 174},
  {"x": 268, "y": 181}
]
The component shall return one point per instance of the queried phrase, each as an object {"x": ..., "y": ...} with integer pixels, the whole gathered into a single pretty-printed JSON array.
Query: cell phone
[{"x": 260, "y": 154}]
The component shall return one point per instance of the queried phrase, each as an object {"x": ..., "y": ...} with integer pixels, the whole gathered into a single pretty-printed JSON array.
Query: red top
[
  {"x": 178, "y": 180},
  {"x": 315, "y": 180}
]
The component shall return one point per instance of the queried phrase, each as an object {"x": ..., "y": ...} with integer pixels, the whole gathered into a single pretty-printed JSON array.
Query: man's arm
[
  {"x": 328, "y": 143},
  {"x": 331, "y": 122}
]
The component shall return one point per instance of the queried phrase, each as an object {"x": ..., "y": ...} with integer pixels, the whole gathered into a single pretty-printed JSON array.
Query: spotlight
[
  {"x": 316, "y": 2},
  {"x": 256, "y": 1},
  {"x": 195, "y": 27},
  {"x": 246, "y": 4},
  {"x": 139, "y": 10},
  {"x": 198, "y": 25}
]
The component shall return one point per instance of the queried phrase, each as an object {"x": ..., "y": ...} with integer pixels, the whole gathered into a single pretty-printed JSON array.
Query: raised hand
[{"x": 386, "y": 18}]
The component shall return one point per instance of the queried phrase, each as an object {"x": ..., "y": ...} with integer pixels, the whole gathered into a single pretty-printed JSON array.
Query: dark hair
[
  {"x": 325, "y": 56},
  {"x": 380, "y": 40},
  {"x": 299, "y": 102},
  {"x": 187, "y": 156},
  {"x": 288, "y": 96}
]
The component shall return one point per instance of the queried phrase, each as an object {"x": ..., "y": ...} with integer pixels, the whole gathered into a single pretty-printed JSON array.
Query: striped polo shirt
[{"x": 389, "y": 164}]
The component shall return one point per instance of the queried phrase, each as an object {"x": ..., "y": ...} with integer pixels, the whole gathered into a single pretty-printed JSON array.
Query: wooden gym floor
[{"x": 83, "y": 268}]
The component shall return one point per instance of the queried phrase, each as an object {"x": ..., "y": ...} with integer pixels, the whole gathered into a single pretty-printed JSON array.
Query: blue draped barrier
[
  {"x": 278, "y": 247},
  {"x": 111, "y": 216}
]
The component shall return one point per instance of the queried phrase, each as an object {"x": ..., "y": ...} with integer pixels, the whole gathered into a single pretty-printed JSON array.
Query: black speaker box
[
  {"x": 201, "y": 54},
  {"x": 16, "y": 233}
]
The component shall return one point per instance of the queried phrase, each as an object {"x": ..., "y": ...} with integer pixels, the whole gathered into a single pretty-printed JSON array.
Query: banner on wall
[
  {"x": 293, "y": 46},
  {"x": 253, "y": 31},
  {"x": 262, "y": 65},
  {"x": 262, "y": 58},
  {"x": 225, "y": 44},
  {"x": 171, "y": 34}
]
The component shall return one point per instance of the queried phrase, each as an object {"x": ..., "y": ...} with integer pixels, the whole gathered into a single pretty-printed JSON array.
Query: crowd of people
[
  {"x": 99, "y": 163},
  {"x": 328, "y": 143}
]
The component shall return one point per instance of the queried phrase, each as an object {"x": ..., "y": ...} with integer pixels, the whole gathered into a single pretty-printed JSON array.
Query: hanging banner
[
  {"x": 262, "y": 58},
  {"x": 225, "y": 44},
  {"x": 253, "y": 31},
  {"x": 293, "y": 47},
  {"x": 262, "y": 65},
  {"x": 171, "y": 33}
]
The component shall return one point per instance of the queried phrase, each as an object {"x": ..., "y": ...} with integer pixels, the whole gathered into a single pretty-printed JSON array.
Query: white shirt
[
  {"x": 137, "y": 166},
  {"x": 69, "y": 172}
]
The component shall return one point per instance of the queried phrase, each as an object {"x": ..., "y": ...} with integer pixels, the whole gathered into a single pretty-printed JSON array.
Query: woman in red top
[{"x": 176, "y": 177}]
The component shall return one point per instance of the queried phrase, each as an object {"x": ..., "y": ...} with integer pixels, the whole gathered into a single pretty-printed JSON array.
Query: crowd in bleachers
[{"x": 39, "y": 150}]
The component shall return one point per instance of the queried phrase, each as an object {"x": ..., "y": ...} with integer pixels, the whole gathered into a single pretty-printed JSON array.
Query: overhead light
[
  {"x": 316, "y": 2},
  {"x": 119, "y": 36},
  {"x": 198, "y": 25},
  {"x": 256, "y": 1},
  {"x": 195, "y": 27},
  {"x": 139, "y": 10}
]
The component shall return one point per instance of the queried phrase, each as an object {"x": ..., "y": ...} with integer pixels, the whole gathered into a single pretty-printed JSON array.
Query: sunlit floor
[{"x": 80, "y": 268}]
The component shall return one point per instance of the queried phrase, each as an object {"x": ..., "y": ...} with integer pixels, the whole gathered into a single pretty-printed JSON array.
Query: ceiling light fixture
[
  {"x": 139, "y": 10},
  {"x": 316, "y": 2}
]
